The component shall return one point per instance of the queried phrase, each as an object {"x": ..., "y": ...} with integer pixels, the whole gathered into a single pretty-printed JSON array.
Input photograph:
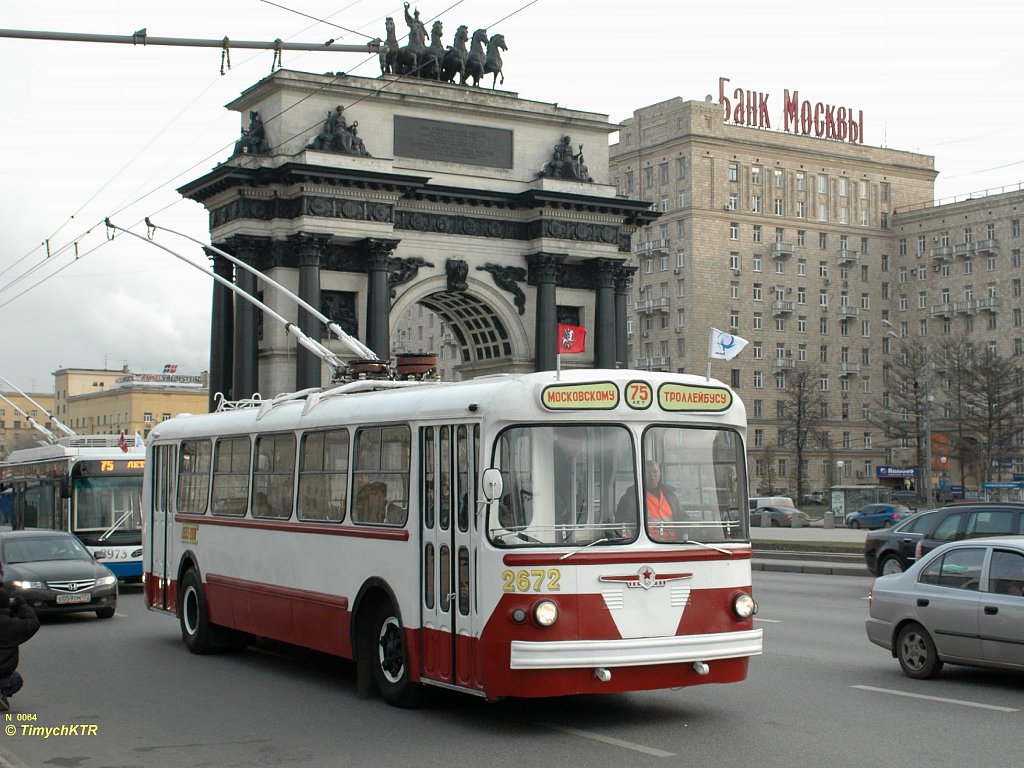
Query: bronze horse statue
[
  {"x": 493, "y": 61},
  {"x": 389, "y": 49},
  {"x": 454, "y": 61},
  {"x": 477, "y": 57},
  {"x": 430, "y": 65}
]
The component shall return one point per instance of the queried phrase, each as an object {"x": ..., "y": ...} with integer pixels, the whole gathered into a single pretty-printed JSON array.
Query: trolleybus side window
[
  {"x": 561, "y": 485},
  {"x": 194, "y": 477},
  {"x": 463, "y": 492},
  {"x": 323, "y": 475},
  {"x": 429, "y": 481},
  {"x": 445, "y": 509},
  {"x": 231, "y": 476},
  {"x": 273, "y": 480},
  {"x": 381, "y": 475},
  {"x": 41, "y": 505}
]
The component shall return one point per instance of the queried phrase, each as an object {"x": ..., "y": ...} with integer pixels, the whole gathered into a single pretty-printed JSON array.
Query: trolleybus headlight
[
  {"x": 743, "y": 606},
  {"x": 545, "y": 613}
]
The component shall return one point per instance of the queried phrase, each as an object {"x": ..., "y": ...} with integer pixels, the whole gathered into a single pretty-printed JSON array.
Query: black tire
[
  {"x": 854, "y": 524},
  {"x": 890, "y": 565},
  {"x": 916, "y": 653},
  {"x": 196, "y": 630},
  {"x": 775, "y": 523},
  {"x": 389, "y": 659},
  {"x": 105, "y": 613}
]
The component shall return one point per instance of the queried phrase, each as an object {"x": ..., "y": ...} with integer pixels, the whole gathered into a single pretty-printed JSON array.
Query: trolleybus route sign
[{"x": 594, "y": 396}]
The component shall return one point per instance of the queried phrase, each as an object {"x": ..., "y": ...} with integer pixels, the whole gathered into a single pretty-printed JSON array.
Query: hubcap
[
  {"x": 913, "y": 651},
  {"x": 391, "y": 650}
]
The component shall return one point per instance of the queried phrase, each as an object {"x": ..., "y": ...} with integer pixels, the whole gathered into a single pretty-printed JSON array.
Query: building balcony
[
  {"x": 651, "y": 247},
  {"x": 780, "y": 307},
  {"x": 783, "y": 364},
  {"x": 942, "y": 310},
  {"x": 942, "y": 253},
  {"x": 848, "y": 312},
  {"x": 648, "y": 306},
  {"x": 782, "y": 250},
  {"x": 963, "y": 249},
  {"x": 989, "y": 304},
  {"x": 848, "y": 369},
  {"x": 965, "y": 307},
  {"x": 652, "y": 363},
  {"x": 847, "y": 256},
  {"x": 987, "y": 247}
]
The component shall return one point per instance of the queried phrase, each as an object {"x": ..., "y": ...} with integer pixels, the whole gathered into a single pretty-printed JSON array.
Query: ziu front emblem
[{"x": 646, "y": 578}]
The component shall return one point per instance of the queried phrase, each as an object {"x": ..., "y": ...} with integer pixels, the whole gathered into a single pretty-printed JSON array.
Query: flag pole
[
  {"x": 711, "y": 341},
  {"x": 558, "y": 367}
]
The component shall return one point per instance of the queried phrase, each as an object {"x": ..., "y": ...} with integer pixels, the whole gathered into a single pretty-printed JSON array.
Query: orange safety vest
[{"x": 659, "y": 510}]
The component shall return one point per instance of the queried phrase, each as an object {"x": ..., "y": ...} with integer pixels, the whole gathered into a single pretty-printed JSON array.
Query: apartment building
[{"x": 816, "y": 251}]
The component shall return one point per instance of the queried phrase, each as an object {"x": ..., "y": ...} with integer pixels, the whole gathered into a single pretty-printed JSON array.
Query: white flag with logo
[{"x": 725, "y": 346}]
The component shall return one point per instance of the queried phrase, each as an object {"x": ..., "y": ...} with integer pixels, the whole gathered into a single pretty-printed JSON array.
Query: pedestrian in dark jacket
[{"x": 18, "y": 623}]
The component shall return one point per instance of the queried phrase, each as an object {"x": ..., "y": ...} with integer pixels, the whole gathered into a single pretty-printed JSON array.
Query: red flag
[
  {"x": 122, "y": 443},
  {"x": 571, "y": 339}
]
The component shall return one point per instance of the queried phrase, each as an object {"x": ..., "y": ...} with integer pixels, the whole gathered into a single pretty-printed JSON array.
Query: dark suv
[
  {"x": 894, "y": 550},
  {"x": 971, "y": 521}
]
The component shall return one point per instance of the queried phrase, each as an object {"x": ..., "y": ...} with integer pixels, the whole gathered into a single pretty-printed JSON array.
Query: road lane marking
[
  {"x": 961, "y": 702},
  {"x": 609, "y": 740}
]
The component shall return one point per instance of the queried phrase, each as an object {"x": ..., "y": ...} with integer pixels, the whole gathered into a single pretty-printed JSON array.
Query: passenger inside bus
[
  {"x": 260, "y": 505},
  {"x": 660, "y": 502}
]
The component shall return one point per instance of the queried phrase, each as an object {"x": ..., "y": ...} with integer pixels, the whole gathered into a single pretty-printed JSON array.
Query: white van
[{"x": 756, "y": 502}]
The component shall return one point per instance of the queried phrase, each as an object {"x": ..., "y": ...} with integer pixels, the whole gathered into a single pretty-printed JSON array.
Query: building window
[
  {"x": 734, "y": 230},
  {"x": 734, "y": 172},
  {"x": 755, "y": 174},
  {"x": 147, "y": 417}
]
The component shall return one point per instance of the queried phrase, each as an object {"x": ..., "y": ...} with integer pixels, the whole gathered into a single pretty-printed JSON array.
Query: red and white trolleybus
[{"x": 489, "y": 536}]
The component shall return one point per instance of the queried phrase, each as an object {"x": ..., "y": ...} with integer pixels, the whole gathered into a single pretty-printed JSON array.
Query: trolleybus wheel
[
  {"x": 390, "y": 659},
  {"x": 195, "y": 622},
  {"x": 105, "y": 613}
]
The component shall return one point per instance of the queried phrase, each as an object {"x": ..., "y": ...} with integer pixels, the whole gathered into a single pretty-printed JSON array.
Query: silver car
[{"x": 962, "y": 603}]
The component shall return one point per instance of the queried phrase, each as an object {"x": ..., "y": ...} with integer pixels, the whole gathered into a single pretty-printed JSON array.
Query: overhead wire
[{"x": 74, "y": 242}]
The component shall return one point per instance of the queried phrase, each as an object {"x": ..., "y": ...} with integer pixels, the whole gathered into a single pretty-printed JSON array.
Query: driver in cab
[{"x": 660, "y": 502}]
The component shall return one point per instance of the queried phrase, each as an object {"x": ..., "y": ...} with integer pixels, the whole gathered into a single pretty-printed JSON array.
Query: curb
[{"x": 805, "y": 566}]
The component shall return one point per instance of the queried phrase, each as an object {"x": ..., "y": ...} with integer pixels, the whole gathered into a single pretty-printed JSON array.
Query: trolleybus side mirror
[{"x": 491, "y": 484}]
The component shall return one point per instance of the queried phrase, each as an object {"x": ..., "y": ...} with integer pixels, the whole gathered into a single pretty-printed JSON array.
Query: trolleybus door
[
  {"x": 447, "y": 519},
  {"x": 161, "y": 527}
]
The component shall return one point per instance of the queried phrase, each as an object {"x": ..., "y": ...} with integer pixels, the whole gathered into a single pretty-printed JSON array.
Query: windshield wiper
[
  {"x": 709, "y": 546},
  {"x": 567, "y": 555},
  {"x": 117, "y": 524}
]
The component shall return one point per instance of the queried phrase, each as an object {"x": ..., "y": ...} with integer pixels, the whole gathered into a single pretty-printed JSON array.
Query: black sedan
[
  {"x": 54, "y": 573},
  {"x": 891, "y": 550},
  {"x": 779, "y": 517}
]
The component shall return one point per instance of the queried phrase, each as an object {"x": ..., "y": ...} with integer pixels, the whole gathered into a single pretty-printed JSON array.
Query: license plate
[{"x": 71, "y": 599}]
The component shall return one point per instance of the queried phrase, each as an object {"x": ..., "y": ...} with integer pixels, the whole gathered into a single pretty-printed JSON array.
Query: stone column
[
  {"x": 604, "y": 311},
  {"x": 378, "y": 300},
  {"x": 544, "y": 270},
  {"x": 623, "y": 278},
  {"x": 221, "y": 331},
  {"x": 246, "y": 377},
  {"x": 308, "y": 367}
]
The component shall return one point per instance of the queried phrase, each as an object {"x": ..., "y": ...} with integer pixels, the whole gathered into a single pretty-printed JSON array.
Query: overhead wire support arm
[
  {"x": 50, "y": 437},
  {"x": 326, "y": 355},
  {"x": 141, "y": 38}
]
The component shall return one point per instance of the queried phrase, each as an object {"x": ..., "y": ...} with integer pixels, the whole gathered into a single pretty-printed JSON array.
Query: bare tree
[
  {"x": 800, "y": 412},
  {"x": 996, "y": 392}
]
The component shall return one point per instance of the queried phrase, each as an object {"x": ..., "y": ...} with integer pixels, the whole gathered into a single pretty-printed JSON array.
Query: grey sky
[{"x": 90, "y": 129}]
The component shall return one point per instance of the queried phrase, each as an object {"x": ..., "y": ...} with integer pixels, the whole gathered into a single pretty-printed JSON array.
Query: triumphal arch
[{"x": 366, "y": 195}]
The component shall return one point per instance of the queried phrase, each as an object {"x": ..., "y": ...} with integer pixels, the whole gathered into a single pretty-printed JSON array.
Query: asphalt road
[{"x": 820, "y": 696}]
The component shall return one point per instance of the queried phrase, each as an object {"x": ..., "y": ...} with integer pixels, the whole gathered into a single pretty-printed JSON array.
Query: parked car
[
  {"x": 963, "y": 603},
  {"x": 892, "y": 550},
  {"x": 756, "y": 502},
  {"x": 971, "y": 520},
  {"x": 54, "y": 573},
  {"x": 779, "y": 516},
  {"x": 882, "y": 515},
  {"x": 814, "y": 497}
]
